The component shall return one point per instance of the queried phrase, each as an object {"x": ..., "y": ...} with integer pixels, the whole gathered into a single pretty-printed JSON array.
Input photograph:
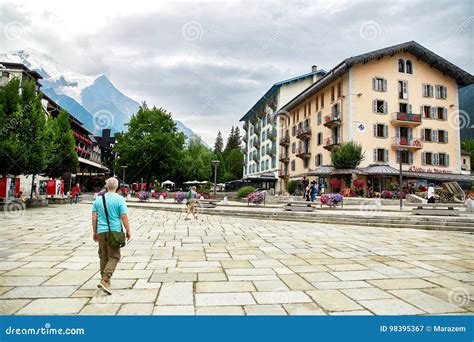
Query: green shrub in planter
[
  {"x": 244, "y": 191},
  {"x": 292, "y": 186}
]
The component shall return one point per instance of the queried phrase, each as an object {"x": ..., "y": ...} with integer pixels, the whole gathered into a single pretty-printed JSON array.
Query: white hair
[{"x": 111, "y": 183}]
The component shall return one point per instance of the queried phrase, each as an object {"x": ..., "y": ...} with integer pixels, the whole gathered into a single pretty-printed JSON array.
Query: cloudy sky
[{"x": 208, "y": 62}]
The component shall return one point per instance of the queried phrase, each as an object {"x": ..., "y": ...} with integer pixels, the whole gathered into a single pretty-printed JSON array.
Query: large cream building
[{"x": 397, "y": 102}]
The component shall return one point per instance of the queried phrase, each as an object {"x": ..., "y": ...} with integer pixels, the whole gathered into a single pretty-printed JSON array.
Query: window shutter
[
  {"x": 430, "y": 92},
  {"x": 410, "y": 135},
  {"x": 375, "y": 130},
  {"x": 410, "y": 158},
  {"x": 385, "y": 131},
  {"x": 397, "y": 130},
  {"x": 398, "y": 157},
  {"x": 435, "y": 159},
  {"x": 422, "y": 111},
  {"x": 446, "y": 136},
  {"x": 405, "y": 90},
  {"x": 445, "y": 92},
  {"x": 423, "y": 134},
  {"x": 386, "y": 155},
  {"x": 423, "y": 158},
  {"x": 434, "y": 135},
  {"x": 425, "y": 90},
  {"x": 374, "y": 106},
  {"x": 320, "y": 159},
  {"x": 385, "y": 107},
  {"x": 410, "y": 109},
  {"x": 447, "y": 159},
  {"x": 374, "y": 84},
  {"x": 384, "y": 85},
  {"x": 375, "y": 154},
  {"x": 433, "y": 112},
  {"x": 445, "y": 113}
]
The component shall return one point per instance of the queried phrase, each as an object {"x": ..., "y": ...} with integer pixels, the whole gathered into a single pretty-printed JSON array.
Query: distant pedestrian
[
  {"x": 109, "y": 212},
  {"x": 75, "y": 192},
  {"x": 431, "y": 193},
  {"x": 313, "y": 191},
  {"x": 191, "y": 200},
  {"x": 304, "y": 185}
]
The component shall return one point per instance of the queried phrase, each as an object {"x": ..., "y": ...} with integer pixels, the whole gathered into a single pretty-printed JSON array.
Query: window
[
  {"x": 293, "y": 148},
  {"x": 403, "y": 90},
  {"x": 442, "y": 113},
  {"x": 292, "y": 165},
  {"x": 401, "y": 65},
  {"x": 380, "y": 131},
  {"x": 425, "y": 112},
  {"x": 305, "y": 163},
  {"x": 427, "y": 158},
  {"x": 318, "y": 160},
  {"x": 309, "y": 107},
  {"x": 442, "y": 136},
  {"x": 317, "y": 103},
  {"x": 441, "y": 92},
  {"x": 319, "y": 118},
  {"x": 406, "y": 157},
  {"x": 427, "y": 134},
  {"x": 320, "y": 138},
  {"x": 322, "y": 100},
  {"x": 380, "y": 106},
  {"x": 404, "y": 108},
  {"x": 339, "y": 89},
  {"x": 293, "y": 130},
  {"x": 409, "y": 67},
  {"x": 332, "y": 94},
  {"x": 427, "y": 90},
  {"x": 443, "y": 159},
  {"x": 380, "y": 155},
  {"x": 379, "y": 84}
]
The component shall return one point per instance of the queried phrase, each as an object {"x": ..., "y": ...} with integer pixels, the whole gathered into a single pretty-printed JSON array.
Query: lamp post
[
  {"x": 400, "y": 178},
  {"x": 123, "y": 173},
  {"x": 216, "y": 164}
]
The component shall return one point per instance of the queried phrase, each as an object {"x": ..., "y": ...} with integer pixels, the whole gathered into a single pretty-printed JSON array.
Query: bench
[
  {"x": 208, "y": 203},
  {"x": 300, "y": 206},
  {"x": 435, "y": 209}
]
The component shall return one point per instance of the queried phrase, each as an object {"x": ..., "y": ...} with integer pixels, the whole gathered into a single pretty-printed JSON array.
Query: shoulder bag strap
[{"x": 106, "y": 212}]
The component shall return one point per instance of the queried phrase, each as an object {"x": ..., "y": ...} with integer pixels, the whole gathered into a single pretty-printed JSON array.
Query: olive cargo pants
[{"x": 109, "y": 257}]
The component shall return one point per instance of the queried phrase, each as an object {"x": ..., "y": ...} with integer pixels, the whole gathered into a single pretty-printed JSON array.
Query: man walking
[
  {"x": 75, "y": 192},
  {"x": 191, "y": 199},
  {"x": 116, "y": 210}
]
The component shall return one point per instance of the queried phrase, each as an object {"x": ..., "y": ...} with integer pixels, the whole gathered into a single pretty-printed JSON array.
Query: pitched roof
[
  {"x": 277, "y": 86},
  {"x": 11, "y": 65},
  {"x": 463, "y": 78}
]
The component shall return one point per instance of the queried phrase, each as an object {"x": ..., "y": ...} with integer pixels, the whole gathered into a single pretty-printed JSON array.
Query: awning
[
  {"x": 380, "y": 170},
  {"x": 446, "y": 177},
  {"x": 91, "y": 163}
]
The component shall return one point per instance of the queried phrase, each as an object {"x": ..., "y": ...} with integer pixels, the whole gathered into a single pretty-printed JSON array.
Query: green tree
[
  {"x": 234, "y": 164},
  {"x": 233, "y": 141},
  {"x": 468, "y": 146},
  {"x": 152, "y": 148},
  {"x": 197, "y": 161},
  {"x": 347, "y": 156},
  {"x": 219, "y": 144},
  {"x": 62, "y": 156}
]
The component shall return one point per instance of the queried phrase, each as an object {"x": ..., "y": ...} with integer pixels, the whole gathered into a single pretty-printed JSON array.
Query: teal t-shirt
[{"x": 116, "y": 206}]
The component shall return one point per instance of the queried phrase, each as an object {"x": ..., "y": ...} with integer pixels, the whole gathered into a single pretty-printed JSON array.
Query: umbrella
[
  {"x": 167, "y": 182},
  {"x": 192, "y": 182}
]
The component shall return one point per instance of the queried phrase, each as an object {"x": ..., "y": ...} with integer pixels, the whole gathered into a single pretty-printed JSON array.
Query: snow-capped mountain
[{"x": 92, "y": 99}]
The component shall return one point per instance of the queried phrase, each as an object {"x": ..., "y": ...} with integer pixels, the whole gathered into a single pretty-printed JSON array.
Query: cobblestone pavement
[{"x": 222, "y": 265}]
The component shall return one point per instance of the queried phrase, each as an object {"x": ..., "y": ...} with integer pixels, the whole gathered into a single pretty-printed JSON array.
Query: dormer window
[{"x": 401, "y": 65}]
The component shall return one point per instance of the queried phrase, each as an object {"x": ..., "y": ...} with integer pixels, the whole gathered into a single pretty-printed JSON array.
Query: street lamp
[
  {"x": 216, "y": 164},
  {"x": 400, "y": 177},
  {"x": 123, "y": 173}
]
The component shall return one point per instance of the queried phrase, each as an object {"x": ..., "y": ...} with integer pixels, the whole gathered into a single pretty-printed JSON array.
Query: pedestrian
[
  {"x": 313, "y": 191},
  {"x": 191, "y": 200},
  {"x": 109, "y": 212},
  {"x": 304, "y": 185},
  {"x": 75, "y": 192},
  {"x": 431, "y": 193}
]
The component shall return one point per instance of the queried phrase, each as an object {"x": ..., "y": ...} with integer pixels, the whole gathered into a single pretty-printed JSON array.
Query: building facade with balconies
[
  {"x": 263, "y": 143},
  {"x": 400, "y": 103}
]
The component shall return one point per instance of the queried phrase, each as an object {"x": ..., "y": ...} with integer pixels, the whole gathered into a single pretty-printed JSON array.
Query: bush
[
  {"x": 179, "y": 197},
  {"x": 143, "y": 196},
  {"x": 245, "y": 191},
  {"x": 292, "y": 186},
  {"x": 347, "y": 156},
  {"x": 257, "y": 197},
  {"x": 159, "y": 189}
]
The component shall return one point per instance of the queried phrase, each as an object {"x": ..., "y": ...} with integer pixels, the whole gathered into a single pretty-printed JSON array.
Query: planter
[{"x": 36, "y": 202}]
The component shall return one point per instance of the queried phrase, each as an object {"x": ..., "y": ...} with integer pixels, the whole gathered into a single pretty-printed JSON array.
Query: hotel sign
[{"x": 428, "y": 170}]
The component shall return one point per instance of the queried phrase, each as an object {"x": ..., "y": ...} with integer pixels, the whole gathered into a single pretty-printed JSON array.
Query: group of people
[{"x": 311, "y": 190}]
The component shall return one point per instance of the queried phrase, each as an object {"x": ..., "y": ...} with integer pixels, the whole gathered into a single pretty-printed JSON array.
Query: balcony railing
[
  {"x": 406, "y": 143},
  {"x": 303, "y": 132},
  {"x": 332, "y": 120},
  {"x": 284, "y": 174},
  {"x": 257, "y": 129},
  {"x": 406, "y": 118},
  {"x": 272, "y": 134},
  {"x": 303, "y": 152},
  {"x": 285, "y": 140},
  {"x": 330, "y": 143},
  {"x": 271, "y": 151},
  {"x": 256, "y": 157},
  {"x": 284, "y": 157}
]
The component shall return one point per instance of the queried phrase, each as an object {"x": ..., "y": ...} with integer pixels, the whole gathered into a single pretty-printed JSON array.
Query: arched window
[
  {"x": 409, "y": 67},
  {"x": 401, "y": 65}
]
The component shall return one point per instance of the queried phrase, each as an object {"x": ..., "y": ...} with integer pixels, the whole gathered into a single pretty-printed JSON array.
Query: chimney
[{"x": 314, "y": 68}]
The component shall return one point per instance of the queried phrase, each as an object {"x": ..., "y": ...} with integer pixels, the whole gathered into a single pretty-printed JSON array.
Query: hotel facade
[{"x": 399, "y": 103}]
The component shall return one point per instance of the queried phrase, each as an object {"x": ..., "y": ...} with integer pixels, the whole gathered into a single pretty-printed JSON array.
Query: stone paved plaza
[{"x": 223, "y": 265}]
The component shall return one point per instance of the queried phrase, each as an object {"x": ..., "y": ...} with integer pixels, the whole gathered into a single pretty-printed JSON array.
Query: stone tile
[
  {"x": 390, "y": 307},
  {"x": 32, "y": 272},
  {"x": 224, "y": 299},
  {"x": 249, "y": 271},
  {"x": 358, "y": 275},
  {"x": 10, "y": 265},
  {"x": 136, "y": 309},
  {"x": 295, "y": 282},
  {"x": 175, "y": 294},
  {"x": 333, "y": 300},
  {"x": 253, "y": 277},
  {"x": 304, "y": 309},
  {"x": 265, "y": 310},
  {"x": 72, "y": 265},
  {"x": 171, "y": 278},
  {"x": 132, "y": 274},
  {"x": 212, "y": 276},
  {"x": 220, "y": 311},
  {"x": 281, "y": 297},
  {"x": 270, "y": 285},
  {"x": 224, "y": 286},
  {"x": 184, "y": 310},
  {"x": 318, "y": 277},
  {"x": 10, "y": 306},
  {"x": 266, "y": 263},
  {"x": 70, "y": 277},
  {"x": 347, "y": 267},
  {"x": 426, "y": 302},
  {"x": 100, "y": 309},
  {"x": 40, "y": 264},
  {"x": 351, "y": 313},
  {"x": 116, "y": 284},
  {"x": 133, "y": 296},
  {"x": 337, "y": 285},
  {"x": 54, "y": 306},
  {"x": 366, "y": 293},
  {"x": 144, "y": 284},
  {"x": 40, "y": 292},
  {"x": 22, "y": 281},
  {"x": 397, "y": 284}
]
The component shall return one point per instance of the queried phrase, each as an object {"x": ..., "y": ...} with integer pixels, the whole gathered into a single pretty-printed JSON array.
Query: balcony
[
  {"x": 404, "y": 143},
  {"x": 284, "y": 157},
  {"x": 331, "y": 143},
  {"x": 332, "y": 120},
  {"x": 285, "y": 141},
  {"x": 406, "y": 119},
  {"x": 303, "y": 152},
  {"x": 256, "y": 157},
  {"x": 303, "y": 132},
  {"x": 257, "y": 129},
  {"x": 272, "y": 134},
  {"x": 284, "y": 174},
  {"x": 256, "y": 144},
  {"x": 271, "y": 152}
]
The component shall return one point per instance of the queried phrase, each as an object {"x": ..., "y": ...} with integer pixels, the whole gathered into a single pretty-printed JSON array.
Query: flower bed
[
  {"x": 143, "y": 196},
  {"x": 256, "y": 197},
  {"x": 331, "y": 200},
  {"x": 179, "y": 197},
  {"x": 392, "y": 194}
]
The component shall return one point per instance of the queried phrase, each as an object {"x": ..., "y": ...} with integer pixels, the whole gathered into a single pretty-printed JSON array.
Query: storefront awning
[
  {"x": 445, "y": 177},
  {"x": 91, "y": 163}
]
